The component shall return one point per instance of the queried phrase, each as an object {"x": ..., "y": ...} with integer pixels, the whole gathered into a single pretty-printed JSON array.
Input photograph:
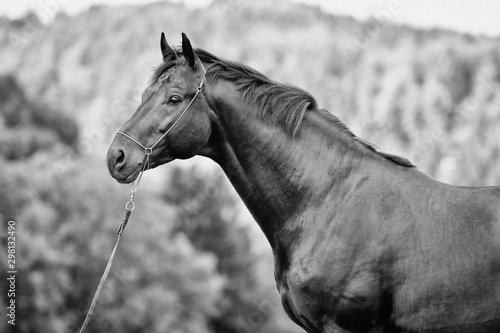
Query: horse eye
[{"x": 174, "y": 100}]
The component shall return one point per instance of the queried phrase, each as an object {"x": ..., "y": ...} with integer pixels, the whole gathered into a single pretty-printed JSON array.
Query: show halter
[{"x": 130, "y": 205}]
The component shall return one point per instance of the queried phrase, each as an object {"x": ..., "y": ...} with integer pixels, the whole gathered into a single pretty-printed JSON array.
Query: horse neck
[{"x": 276, "y": 175}]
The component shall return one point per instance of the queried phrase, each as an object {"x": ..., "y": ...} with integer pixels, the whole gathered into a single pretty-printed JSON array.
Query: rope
[
  {"x": 101, "y": 284},
  {"x": 129, "y": 207}
]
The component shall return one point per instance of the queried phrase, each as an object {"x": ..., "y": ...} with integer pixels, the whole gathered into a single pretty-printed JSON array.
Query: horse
[{"x": 362, "y": 240}]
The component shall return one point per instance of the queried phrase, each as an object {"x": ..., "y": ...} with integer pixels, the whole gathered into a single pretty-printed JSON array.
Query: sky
[{"x": 472, "y": 16}]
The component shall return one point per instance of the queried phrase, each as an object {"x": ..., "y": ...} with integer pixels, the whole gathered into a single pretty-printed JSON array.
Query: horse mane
[
  {"x": 335, "y": 122},
  {"x": 280, "y": 104}
]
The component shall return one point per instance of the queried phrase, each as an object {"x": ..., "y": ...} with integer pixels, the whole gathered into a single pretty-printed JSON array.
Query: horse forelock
[{"x": 161, "y": 69}]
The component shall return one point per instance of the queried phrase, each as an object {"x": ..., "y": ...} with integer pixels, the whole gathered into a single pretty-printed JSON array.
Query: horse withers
[{"x": 362, "y": 241}]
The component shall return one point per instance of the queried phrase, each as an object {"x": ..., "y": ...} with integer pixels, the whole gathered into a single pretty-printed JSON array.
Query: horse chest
[{"x": 329, "y": 285}]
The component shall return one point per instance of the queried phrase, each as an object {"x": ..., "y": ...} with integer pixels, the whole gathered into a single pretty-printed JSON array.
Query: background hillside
[{"x": 192, "y": 259}]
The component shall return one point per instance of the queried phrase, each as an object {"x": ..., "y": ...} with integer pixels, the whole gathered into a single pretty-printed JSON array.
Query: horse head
[{"x": 173, "y": 120}]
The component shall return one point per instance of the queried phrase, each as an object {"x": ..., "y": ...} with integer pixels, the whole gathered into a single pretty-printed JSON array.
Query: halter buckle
[{"x": 148, "y": 151}]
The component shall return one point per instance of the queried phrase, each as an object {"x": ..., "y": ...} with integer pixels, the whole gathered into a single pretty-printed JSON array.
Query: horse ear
[
  {"x": 188, "y": 52},
  {"x": 166, "y": 50}
]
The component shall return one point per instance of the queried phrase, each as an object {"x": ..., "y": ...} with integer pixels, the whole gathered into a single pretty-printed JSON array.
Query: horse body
[
  {"x": 362, "y": 241},
  {"x": 394, "y": 262}
]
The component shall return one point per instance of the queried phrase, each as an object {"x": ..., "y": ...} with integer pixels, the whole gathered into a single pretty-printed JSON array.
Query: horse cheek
[{"x": 193, "y": 137}]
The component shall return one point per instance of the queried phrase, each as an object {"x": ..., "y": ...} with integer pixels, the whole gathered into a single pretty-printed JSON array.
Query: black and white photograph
[{"x": 263, "y": 166}]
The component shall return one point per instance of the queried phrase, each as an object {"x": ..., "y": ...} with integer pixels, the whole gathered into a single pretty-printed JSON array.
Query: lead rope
[{"x": 129, "y": 207}]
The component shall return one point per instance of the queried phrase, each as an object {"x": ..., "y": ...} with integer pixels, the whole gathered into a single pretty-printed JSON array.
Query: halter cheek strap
[{"x": 149, "y": 150}]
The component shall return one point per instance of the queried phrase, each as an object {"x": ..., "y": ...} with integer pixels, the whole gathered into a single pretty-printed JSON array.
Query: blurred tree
[
  {"x": 30, "y": 127},
  {"x": 458, "y": 76},
  {"x": 208, "y": 217}
]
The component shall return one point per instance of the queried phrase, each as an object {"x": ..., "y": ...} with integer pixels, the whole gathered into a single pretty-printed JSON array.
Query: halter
[{"x": 149, "y": 150}]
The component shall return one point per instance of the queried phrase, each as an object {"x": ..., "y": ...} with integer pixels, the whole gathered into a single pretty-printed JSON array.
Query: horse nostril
[{"x": 120, "y": 158}]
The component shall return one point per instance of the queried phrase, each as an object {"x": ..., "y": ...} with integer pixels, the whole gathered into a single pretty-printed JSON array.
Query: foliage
[
  {"x": 30, "y": 127},
  {"x": 209, "y": 220},
  {"x": 160, "y": 281}
]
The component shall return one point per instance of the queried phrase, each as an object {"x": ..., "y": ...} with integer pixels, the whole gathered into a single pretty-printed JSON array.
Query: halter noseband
[{"x": 149, "y": 150}]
